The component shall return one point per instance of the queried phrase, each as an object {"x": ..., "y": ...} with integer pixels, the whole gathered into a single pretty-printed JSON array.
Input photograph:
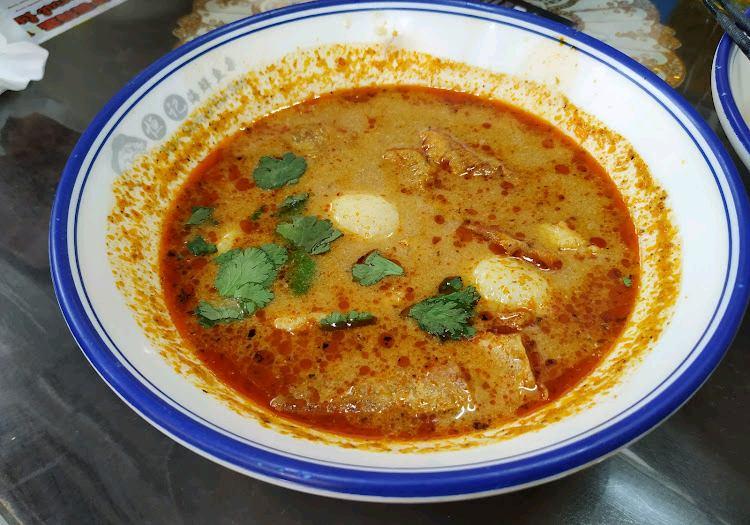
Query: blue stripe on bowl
[
  {"x": 245, "y": 456},
  {"x": 724, "y": 88}
]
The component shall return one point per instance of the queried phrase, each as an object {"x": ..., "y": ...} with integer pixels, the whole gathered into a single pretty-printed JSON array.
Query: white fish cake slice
[
  {"x": 366, "y": 215},
  {"x": 512, "y": 283}
]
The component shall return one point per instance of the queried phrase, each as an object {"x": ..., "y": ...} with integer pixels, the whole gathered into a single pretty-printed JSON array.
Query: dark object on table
[
  {"x": 33, "y": 151},
  {"x": 733, "y": 21},
  {"x": 531, "y": 8}
]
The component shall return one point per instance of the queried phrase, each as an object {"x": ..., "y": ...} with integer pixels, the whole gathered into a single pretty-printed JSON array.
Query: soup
[{"x": 399, "y": 262}]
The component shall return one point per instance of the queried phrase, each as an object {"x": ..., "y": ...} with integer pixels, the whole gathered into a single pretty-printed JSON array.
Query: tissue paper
[{"x": 21, "y": 61}]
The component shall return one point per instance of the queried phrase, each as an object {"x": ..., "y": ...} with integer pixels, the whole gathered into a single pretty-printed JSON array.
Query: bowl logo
[
  {"x": 124, "y": 151},
  {"x": 126, "y": 148}
]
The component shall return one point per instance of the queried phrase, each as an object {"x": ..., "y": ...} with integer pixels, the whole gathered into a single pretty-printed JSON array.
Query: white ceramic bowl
[
  {"x": 709, "y": 210},
  {"x": 730, "y": 84}
]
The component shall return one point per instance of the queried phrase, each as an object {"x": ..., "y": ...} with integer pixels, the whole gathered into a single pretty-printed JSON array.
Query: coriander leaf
[
  {"x": 253, "y": 296},
  {"x": 339, "y": 321},
  {"x": 627, "y": 281},
  {"x": 292, "y": 204},
  {"x": 276, "y": 253},
  {"x": 209, "y": 315},
  {"x": 467, "y": 298},
  {"x": 257, "y": 213},
  {"x": 309, "y": 233},
  {"x": 198, "y": 246},
  {"x": 227, "y": 255},
  {"x": 374, "y": 269},
  {"x": 272, "y": 172},
  {"x": 447, "y": 316},
  {"x": 451, "y": 284},
  {"x": 278, "y": 256},
  {"x": 200, "y": 215},
  {"x": 301, "y": 272},
  {"x": 244, "y": 275},
  {"x": 250, "y": 265}
]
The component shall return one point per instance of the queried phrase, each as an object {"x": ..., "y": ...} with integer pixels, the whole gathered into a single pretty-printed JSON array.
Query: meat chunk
[
  {"x": 438, "y": 391},
  {"x": 309, "y": 139},
  {"x": 509, "y": 368},
  {"x": 506, "y": 322},
  {"x": 538, "y": 256},
  {"x": 408, "y": 165},
  {"x": 444, "y": 150}
]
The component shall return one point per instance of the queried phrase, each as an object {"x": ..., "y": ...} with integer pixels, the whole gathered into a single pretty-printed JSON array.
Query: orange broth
[{"x": 390, "y": 378}]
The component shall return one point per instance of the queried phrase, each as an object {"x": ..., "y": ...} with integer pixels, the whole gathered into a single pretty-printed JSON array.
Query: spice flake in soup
[{"x": 400, "y": 263}]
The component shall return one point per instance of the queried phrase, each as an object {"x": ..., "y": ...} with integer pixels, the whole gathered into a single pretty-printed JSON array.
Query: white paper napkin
[{"x": 21, "y": 61}]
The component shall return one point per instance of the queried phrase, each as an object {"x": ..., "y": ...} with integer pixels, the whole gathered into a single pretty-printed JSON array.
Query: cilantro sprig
[
  {"x": 200, "y": 215},
  {"x": 447, "y": 316},
  {"x": 375, "y": 268},
  {"x": 300, "y": 272},
  {"x": 253, "y": 296},
  {"x": 276, "y": 253},
  {"x": 239, "y": 267},
  {"x": 272, "y": 172},
  {"x": 292, "y": 204},
  {"x": 258, "y": 213},
  {"x": 451, "y": 284},
  {"x": 309, "y": 233},
  {"x": 199, "y": 246},
  {"x": 210, "y": 315},
  {"x": 243, "y": 280},
  {"x": 351, "y": 319}
]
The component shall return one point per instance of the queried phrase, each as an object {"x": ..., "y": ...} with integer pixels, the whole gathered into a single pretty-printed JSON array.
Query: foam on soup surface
[{"x": 399, "y": 262}]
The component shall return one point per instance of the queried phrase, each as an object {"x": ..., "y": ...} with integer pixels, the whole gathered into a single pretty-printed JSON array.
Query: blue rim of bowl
[
  {"x": 360, "y": 482},
  {"x": 725, "y": 95}
]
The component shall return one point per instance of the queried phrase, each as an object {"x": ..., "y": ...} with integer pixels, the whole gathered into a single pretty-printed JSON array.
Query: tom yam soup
[{"x": 399, "y": 262}]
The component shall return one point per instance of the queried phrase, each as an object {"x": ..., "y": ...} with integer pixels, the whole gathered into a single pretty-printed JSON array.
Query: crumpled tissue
[{"x": 21, "y": 61}]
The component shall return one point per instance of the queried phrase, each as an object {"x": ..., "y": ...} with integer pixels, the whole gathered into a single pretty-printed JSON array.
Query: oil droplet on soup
[{"x": 393, "y": 267}]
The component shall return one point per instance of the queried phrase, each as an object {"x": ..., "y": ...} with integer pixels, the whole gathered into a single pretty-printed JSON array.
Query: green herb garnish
[
  {"x": 301, "y": 272},
  {"x": 309, "y": 233},
  {"x": 253, "y": 296},
  {"x": 451, "y": 284},
  {"x": 272, "y": 172},
  {"x": 276, "y": 253},
  {"x": 251, "y": 265},
  {"x": 293, "y": 204},
  {"x": 257, "y": 213},
  {"x": 375, "y": 268},
  {"x": 352, "y": 319},
  {"x": 278, "y": 256},
  {"x": 245, "y": 276},
  {"x": 200, "y": 215},
  {"x": 199, "y": 246},
  {"x": 447, "y": 316},
  {"x": 210, "y": 315},
  {"x": 627, "y": 281}
]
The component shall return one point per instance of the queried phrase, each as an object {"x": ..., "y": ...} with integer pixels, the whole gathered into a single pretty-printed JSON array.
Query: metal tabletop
[{"x": 72, "y": 452}]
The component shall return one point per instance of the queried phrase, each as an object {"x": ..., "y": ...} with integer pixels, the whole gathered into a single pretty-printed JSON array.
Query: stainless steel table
[{"x": 72, "y": 452}]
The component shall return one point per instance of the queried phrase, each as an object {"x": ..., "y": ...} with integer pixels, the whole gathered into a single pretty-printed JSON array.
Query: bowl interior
[
  {"x": 730, "y": 81},
  {"x": 739, "y": 80},
  {"x": 625, "y": 118}
]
